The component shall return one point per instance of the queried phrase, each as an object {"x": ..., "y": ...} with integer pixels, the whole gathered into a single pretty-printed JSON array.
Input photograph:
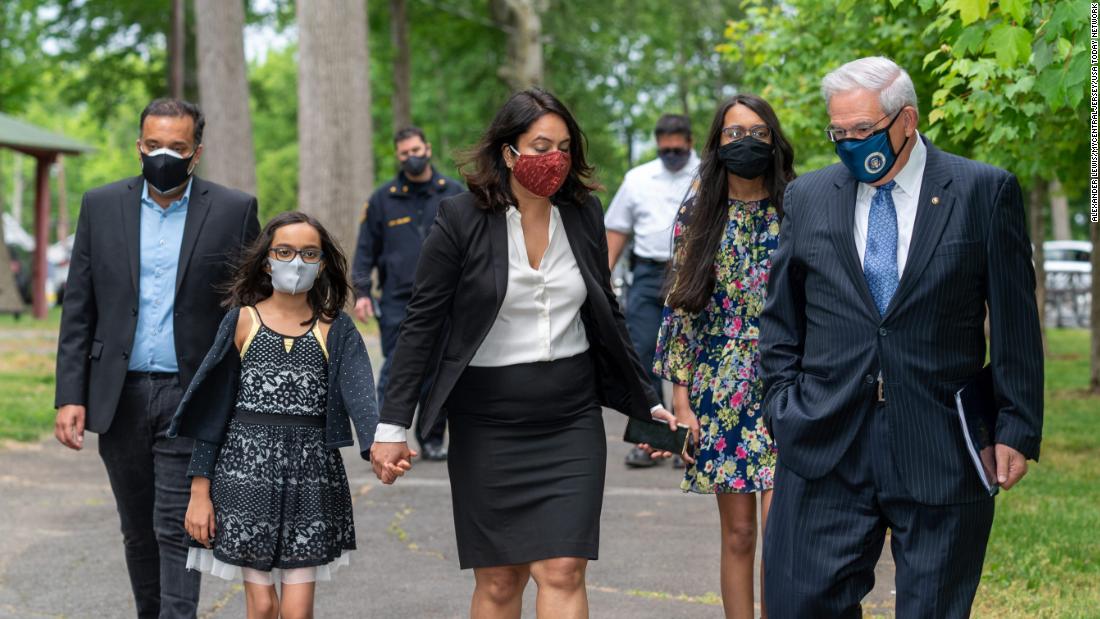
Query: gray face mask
[{"x": 294, "y": 277}]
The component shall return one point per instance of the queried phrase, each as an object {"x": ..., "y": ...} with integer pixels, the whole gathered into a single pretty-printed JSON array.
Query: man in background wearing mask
[
  {"x": 645, "y": 208},
  {"x": 396, "y": 220},
  {"x": 142, "y": 305},
  {"x": 888, "y": 264}
]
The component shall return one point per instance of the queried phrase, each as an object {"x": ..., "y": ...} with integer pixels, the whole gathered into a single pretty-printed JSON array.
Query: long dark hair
[
  {"x": 251, "y": 283},
  {"x": 488, "y": 176},
  {"x": 708, "y": 213}
]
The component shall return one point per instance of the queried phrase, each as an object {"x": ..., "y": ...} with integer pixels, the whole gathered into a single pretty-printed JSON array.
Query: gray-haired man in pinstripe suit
[{"x": 887, "y": 265}]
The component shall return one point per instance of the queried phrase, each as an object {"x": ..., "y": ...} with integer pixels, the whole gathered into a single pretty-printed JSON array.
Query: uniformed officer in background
[
  {"x": 645, "y": 208},
  {"x": 396, "y": 220}
]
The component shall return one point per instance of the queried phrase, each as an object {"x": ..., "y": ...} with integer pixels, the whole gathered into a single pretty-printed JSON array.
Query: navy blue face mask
[{"x": 871, "y": 158}]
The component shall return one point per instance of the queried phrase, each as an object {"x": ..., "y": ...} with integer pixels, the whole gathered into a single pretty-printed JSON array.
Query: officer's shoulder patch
[{"x": 366, "y": 207}]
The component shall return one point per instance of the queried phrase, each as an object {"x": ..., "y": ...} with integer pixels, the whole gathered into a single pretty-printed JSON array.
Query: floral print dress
[{"x": 714, "y": 353}]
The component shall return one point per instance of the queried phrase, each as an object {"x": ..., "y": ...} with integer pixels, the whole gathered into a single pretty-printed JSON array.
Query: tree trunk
[
  {"x": 399, "y": 35},
  {"x": 1059, "y": 211},
  {"x": 1094, "y": 313},
  {"x": 336, "y": 169},
  {"x": 62, "y": 201},
  {"x": 177, "y": 49},
  {"x": 223, "y": 89},
  {"x": 1038, "y": 234},
  {"x": 11, "y": 300},
  {"x": 522, "y": 20},
  {"x": 682, "y": 86},
  {"x": 17, "y": 184}
]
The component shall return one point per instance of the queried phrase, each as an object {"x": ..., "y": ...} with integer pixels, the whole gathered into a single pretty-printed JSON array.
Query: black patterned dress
[{"x": 281, "y": 498}]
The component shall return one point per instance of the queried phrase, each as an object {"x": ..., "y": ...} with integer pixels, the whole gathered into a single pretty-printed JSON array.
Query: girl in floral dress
[{"x": 707, "y": 347}]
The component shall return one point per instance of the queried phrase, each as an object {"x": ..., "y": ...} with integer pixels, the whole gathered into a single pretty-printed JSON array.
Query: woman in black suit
[{"x": 513, "y": 309}]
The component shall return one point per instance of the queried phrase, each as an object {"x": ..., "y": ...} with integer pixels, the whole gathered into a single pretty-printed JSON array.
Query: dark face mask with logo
[
  {"x": 165, "y": 169},
  {"x": 415, "y": 165},
  {"x": 873, "y": 157},
  {"x": 747, "y": 157}
]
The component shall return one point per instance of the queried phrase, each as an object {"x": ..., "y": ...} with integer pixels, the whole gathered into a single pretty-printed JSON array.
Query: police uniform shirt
[
  {"x": 646, "y": 205},
  {"x": 396, "y": 220}
]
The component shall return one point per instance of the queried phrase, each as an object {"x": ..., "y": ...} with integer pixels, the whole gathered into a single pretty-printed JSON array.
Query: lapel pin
[{"x": 935, "y": 200}]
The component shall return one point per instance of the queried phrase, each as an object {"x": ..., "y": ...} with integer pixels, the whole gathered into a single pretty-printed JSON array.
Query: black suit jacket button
[
  {"x": 882, "y": 331},
  {"x": 125, "y": 355},
  {"x": 870, "y": 380},
  {"x": 133, "y": 311}
]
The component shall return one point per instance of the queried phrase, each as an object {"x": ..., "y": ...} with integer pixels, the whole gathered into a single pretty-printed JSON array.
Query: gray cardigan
[{"x": 210, "y": 400}]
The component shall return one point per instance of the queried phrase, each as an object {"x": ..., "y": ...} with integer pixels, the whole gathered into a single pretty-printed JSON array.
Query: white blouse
[{"x": 540, "y": 317}]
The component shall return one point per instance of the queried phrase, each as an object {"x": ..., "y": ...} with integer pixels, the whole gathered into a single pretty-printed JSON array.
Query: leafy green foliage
[{"x": 1001, "y": 82}]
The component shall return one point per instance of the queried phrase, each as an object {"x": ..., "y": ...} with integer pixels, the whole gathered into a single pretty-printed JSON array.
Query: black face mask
[
  {"x": 674, "y": 158},
  {"x": 415, "y": 165},
  {"x": 747, "y": 157},
  {"x": 165, "y": 170}
]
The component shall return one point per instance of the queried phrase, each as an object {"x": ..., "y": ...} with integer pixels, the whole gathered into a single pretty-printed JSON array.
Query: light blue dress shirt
[{"x": 161, "y": 237}]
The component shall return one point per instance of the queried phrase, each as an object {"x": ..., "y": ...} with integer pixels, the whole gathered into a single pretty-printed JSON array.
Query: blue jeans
[
  {"x": 644, "y": 304},
  {"x": 148, "y": 475}
]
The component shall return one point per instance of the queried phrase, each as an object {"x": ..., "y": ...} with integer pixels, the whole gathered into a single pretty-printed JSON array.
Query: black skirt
[{"x": 528, "y": 457}]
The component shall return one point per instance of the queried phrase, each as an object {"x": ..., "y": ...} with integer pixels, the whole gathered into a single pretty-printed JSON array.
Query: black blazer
[
  {"x": 459, "y": 288},
  {"x": 99, "y": 315},
  {"x": 823, "y": 342}
]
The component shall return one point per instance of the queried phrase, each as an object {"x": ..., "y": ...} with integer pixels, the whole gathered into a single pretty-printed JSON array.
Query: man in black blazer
[
  {"x": 887, "y": 267},
  {"x": 142, "y": 305}
]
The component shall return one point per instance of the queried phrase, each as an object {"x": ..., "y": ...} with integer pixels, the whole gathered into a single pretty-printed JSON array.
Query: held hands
[
  {"x": 391, "y": 460},
  {"x": 68, "y": 426},
  {"x": 1011, "y": 465},
  {"x": 199, "y": 520}
]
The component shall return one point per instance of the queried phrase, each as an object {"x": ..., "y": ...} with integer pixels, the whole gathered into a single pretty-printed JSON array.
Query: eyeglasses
[
  {"x": 736, "y": 133},
  {"x": 310, "y": 255},
  {"x": 183, "y": 150},
  {"x": 859, "y": 132}
]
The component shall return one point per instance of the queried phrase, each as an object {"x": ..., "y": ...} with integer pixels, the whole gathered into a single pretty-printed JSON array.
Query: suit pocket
[
  {"x": 957, "y": 247},
  {"x": 96, "y": 351}
]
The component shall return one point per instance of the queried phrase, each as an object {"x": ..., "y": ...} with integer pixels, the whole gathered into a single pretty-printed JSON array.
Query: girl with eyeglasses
[
  {"x": 707, "y": 346},
  {"x": 269, "y": 409}
]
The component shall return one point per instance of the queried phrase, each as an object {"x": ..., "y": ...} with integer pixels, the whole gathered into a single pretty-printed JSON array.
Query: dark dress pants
[
  {"x": 389, "y": 326},
  {"x": 148, "y": 475},
  {"x": 824, "y": 537},
  {"x": 644, "y": 304}
]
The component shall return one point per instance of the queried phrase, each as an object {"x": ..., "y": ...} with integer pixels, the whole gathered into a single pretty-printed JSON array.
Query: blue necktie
[{"x": 880, "y": 260}]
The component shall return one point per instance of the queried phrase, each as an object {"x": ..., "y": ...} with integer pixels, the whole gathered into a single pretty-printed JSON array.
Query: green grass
[
  {"x": 27, "y": 353},
  {"x": 1044, "y": 554}
]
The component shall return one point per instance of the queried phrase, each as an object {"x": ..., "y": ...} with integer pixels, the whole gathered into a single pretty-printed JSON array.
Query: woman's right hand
[
  {"x": 199, "y": 520},
  {"x": 681, "y": 407}
]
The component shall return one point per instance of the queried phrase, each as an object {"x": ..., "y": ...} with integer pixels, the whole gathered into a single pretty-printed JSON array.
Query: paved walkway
[{"x": 61, "y": 551}]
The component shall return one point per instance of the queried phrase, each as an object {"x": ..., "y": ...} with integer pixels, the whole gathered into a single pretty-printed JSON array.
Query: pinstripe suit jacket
[{"x": 823, "y": 342}]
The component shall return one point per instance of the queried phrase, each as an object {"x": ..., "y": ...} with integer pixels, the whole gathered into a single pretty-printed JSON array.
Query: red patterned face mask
[{"x": 542, "y": 175}]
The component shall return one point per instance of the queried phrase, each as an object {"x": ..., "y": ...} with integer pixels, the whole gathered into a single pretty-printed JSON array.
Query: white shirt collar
[{"x": 909, "y": 177}]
